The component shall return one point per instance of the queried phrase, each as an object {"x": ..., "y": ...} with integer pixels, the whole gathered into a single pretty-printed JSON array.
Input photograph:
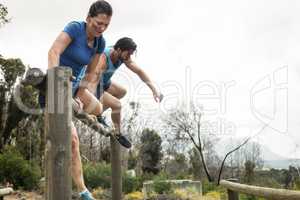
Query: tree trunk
[{"x": 210, "y": 179}]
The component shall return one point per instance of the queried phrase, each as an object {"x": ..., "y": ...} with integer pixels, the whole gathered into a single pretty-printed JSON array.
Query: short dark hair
[
  {"x": 125, "y": 44},
  {"x": 100, "y": 7}
]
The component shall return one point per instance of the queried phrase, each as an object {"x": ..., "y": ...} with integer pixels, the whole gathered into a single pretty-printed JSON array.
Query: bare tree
[
  {"x": 132, "y": 126},
  {"x": 227, "y": 154},
  {"x": 132, "y": 122},
  {"x": 237, "y": 148},
  {"x": 248, "y": 152},
  {"x": 186, "y": 125}
]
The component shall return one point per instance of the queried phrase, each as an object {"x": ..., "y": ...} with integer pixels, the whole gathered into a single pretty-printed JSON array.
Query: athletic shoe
[
  {"x": 123, "y": 140},
  {"x": 86, "y": 195},
  {"x": 102, "y": 121}
]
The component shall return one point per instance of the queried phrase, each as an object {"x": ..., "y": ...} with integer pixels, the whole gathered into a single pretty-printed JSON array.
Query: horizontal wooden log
[
  {"x": 36, "y": 78},
  {"x": 6, "y": 191},
  {"x": 89, "y": 120},
  {"x": 268, "y": 193}
]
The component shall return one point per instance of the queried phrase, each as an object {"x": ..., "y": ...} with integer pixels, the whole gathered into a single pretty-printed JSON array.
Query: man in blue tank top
[
  {"x": 81, "y": 44},
  {"x": 110, "y": 92}
]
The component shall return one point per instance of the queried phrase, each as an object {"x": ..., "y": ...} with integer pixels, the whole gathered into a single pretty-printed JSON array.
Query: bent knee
[
  {"x": 94, "y": 107},
  {"x": 122, "y": 93},
  {"x": 116, "y": 105}
]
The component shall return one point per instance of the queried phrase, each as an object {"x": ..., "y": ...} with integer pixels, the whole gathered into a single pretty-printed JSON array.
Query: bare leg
[
  {"x": 116, "y": 90},
  {"x": 90, "y": 103},
  {"x": 111, "y": 99},
  {"x": 112, "y": 102},
  {"x": 77, "y": 173}
]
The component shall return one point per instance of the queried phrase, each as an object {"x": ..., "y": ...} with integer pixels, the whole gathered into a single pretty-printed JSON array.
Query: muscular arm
[
  {"x": 143, "y": 76},
  {"x": 60, "y": 44},
  {"x": 94, "y": 72}
]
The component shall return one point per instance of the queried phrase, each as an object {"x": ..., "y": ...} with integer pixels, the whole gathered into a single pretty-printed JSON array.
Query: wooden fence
[{"x": 234, "y": 189}]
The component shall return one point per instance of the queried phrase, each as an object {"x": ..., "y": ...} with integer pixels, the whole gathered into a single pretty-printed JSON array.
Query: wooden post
[
  {"x": 232, "y": 195},
  {"x": 116, "y": 170},
  {"x": 58, "y": 134},
  {"x": 58, "y": 129}
]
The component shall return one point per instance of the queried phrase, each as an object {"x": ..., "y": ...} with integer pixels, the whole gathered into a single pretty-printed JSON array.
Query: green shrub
[
  {"x": 267, "y": 181},
  {"x": 160, "y": 185},
  {"x": 131, "y": 184},
  {"x": 147, "y": 177},
  {"x": 208, "y": 186},
  {"x": 250, "y": 197},
  {"x": 247, "y": 197},
  {"x": 16, "y": 170},
  {"x": 97, "y": 175},
  {"x": 297, "y": 184}
]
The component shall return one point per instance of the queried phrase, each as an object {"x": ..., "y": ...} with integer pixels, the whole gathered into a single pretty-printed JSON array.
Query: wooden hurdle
[{"x": 60, "y": 108}]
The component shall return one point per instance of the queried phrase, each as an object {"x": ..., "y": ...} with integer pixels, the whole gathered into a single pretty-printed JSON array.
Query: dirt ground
[{"x": 20, "y": 195}]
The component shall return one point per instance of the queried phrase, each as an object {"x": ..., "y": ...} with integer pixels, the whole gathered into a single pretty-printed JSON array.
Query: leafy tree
[
  {"x": 28, "y": 138},
  {"x": 177, "y": 167},
  {"x": 196, "y": 167},
  {"x": 17, "y": 126},
  {"x": 3, "y": 15},
  {"x": 151, "y": 151},
  {"x": 290, "y": 177},
  {"x": 132, "y": 160},
  {"x": 249, "y": 171},
  {"x": 12, "y": 69}
]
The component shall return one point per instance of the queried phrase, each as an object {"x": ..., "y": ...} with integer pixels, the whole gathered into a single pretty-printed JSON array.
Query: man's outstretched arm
[{"x": 145, "y": 78}]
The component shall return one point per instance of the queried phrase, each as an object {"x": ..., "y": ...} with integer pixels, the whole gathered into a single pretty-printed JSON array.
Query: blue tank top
[{"x": 110, "y": 68}]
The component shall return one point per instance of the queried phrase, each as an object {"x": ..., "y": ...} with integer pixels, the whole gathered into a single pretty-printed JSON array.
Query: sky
[{"x": 237, "y": 59}]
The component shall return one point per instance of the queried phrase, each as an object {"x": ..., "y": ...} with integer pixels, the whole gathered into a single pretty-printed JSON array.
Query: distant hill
[
  {"x": 281, "y": 164},
  {"x": 271, "y": 159}
]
